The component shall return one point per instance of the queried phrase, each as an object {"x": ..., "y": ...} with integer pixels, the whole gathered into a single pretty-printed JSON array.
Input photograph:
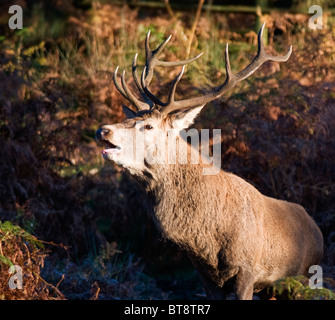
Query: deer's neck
[
  {"x": 172, "y": 181},
  {"x": 179, "y": 197}
]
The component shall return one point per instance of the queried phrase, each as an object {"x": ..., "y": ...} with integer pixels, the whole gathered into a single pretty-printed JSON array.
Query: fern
[
  {"x": 5, "y": 260},
  {"x": 9, "y": 231}
]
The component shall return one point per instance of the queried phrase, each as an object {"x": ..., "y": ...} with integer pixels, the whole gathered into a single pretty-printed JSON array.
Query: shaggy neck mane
[
  {"x": 160, "y": 180},
  {"x": 178, "y": 197}
]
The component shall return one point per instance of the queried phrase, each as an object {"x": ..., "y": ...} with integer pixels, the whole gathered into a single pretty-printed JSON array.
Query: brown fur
[{"x": 231, "y": 230}]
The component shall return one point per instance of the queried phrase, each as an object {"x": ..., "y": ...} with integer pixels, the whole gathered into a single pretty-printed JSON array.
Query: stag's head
[{"x": 152, "y": 125}]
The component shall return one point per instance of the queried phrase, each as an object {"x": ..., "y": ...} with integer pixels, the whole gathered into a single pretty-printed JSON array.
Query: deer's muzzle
[{"x": 103, "y": 135}]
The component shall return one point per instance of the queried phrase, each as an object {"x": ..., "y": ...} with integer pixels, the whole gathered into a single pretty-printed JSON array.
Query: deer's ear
[
  {"x": 182, "y": 119},
  {"x": 128, "y": 112}
]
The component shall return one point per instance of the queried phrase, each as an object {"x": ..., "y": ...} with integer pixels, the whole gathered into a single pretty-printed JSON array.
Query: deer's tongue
[{"x": 112, "y": 150}]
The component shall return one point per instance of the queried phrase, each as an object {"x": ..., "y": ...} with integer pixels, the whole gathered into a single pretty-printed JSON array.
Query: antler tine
[
  {"x": 147, "y": 91},
  {"x": 229, "y": 74},
  {"x": 178, "y": 63},
  {"x": 231, "y": 79},
  {"x": 135, "y": 75},
  {"x": 117, "y": 85},
  {"x": 160, "y": 48},
  {"x": 260, "y": 58},
  {"x": 138, "y": 83},
  {"x": 138, "y": 104},
  {"x": 124, "y": 90},
  {"x": 174, "y": 86},
  {"x": 147, "y": 45}
]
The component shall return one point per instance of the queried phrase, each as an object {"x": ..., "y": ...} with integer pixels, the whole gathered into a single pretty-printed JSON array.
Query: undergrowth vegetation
[
  {"x": 78, "y": 226},
  {"x": 20, "y": 248},
  {"x": 298, "y": 288}
]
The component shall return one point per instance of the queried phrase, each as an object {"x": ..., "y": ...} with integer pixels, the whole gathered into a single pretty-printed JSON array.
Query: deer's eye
[{"x": 148, "y": 127}]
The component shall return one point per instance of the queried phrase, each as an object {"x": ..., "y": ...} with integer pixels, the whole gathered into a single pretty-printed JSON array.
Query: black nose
[{"x": 101, "y": 133}]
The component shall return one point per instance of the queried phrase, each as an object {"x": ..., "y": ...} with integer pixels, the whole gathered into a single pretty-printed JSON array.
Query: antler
[
  {"x": 151, "y": 58},
  {"x": 171, "y": 105}
]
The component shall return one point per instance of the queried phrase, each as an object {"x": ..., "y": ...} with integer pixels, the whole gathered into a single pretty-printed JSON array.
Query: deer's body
[
  {"x": 229, "y": 228},
  {"x": 237, "y": 238}
]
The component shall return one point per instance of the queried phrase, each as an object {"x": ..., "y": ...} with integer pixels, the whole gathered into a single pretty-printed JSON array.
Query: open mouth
[{"x": 110, "y": 147}]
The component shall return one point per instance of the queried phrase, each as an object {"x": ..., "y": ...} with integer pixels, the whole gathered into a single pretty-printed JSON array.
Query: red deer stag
[{"x": 238, "y": 239}]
